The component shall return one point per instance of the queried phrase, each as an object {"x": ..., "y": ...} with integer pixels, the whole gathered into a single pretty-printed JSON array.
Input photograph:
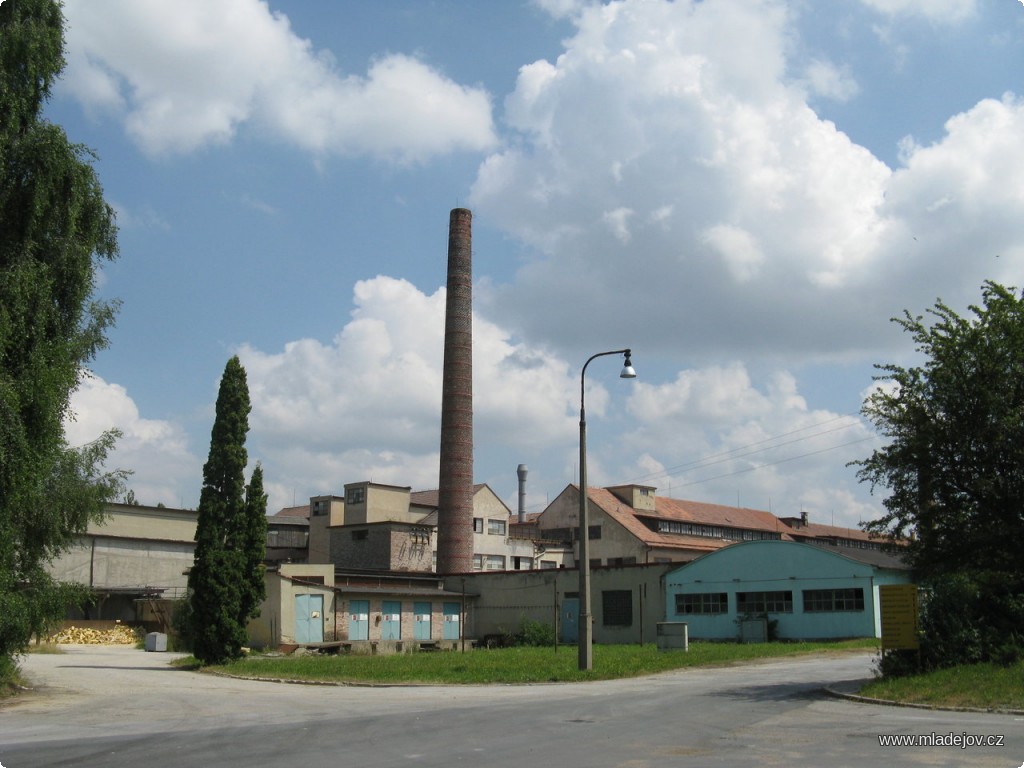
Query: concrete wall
[
  {"x": 132, "y": 547},
  {"x": 137, "y": 522},
  {"x": 101, "y": 562},
  {"x": 503, "y": 600},
  {"x": 779, "y": 566},
  {"x": 615, "y": 541},
  {"x": 380, "y": 503}
]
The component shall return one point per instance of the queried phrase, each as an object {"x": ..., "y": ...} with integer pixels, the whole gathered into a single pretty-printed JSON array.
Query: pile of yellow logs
[{"x": 118, "y": 635}]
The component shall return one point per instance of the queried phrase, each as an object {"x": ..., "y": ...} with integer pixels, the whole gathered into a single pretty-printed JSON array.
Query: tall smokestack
[
  {"x": 455, "y": 484},
  {"x": 521, "y": 470}
]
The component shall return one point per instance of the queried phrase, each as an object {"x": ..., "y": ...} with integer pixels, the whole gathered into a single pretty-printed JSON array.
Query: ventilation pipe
[{"x": 521, "y": 470}]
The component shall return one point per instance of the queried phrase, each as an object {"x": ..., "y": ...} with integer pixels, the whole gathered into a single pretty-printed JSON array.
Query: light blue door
[
  {"x": 570, "y": 619},
  {"x": 421, "y": 621},
  {"x": 359, "y": 620},
  {"x": 391, "y": 621},
  {"x": 451, "y": 621},
  {"x": 309, "y": 618}
]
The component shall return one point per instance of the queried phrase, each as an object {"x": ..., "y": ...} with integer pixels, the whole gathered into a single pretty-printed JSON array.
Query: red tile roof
[
  {"x": 625, "y": 516},
  {"x": 817, "y": 530}
]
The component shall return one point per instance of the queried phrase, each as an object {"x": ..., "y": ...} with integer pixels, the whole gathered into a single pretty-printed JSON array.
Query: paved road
[{"x": 110, "y": 707}]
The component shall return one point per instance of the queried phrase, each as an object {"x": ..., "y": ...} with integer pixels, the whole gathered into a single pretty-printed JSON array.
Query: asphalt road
[{"x": 111, "y": 707}]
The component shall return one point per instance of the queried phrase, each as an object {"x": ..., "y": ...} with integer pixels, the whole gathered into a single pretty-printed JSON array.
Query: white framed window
[
  {"x": 495, "y": 562},
  {"x": 496, "y": 527}
]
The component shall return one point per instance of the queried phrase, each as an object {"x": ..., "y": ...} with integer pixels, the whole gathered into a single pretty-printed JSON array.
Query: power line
[
  {"x": 751, "y": 448},
  {"x": 780, "y": 461}
]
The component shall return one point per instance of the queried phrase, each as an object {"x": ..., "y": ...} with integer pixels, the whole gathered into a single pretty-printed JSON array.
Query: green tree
[
  {"x": 55, "y": 229},
  {"x": 254, "y": 546},
  {"x": 222, "y": 590},
  {"x": 954, "y": 469},
  {"x": 954, "y": 463}
]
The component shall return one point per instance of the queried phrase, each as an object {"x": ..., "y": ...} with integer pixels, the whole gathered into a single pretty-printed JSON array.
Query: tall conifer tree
[
  {"x": 254, "y": 545},
  {"x": 218, "y": 589}
]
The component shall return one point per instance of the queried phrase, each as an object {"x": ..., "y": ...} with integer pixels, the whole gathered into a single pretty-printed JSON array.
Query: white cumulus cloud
[
  {"x": 188, "y": 74},
  {"x": 154, "y": 450},
  {"x": 670, "y": 171}
]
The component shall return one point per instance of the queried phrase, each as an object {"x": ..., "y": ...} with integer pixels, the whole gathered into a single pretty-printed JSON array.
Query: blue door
[
  {"x": 570, "y": 619},
  {"x": 421, "y": 621},
  {"x": 359, "y": 620},
  {"x": 451, "y": 621},
  {"x": 309, "y": 618},
  {"x": 391, "y": 621}
]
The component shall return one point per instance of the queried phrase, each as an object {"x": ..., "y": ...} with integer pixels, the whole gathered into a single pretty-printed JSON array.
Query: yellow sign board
[{"x": 899, "y": 616}]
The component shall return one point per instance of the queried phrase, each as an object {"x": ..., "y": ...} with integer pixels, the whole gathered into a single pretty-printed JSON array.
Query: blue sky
[{"x": 742, "y": 192}]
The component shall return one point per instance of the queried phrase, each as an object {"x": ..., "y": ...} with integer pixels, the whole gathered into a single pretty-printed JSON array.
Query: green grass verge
[
  {"x": 44, "y": 648},
  {"x": 981, "y": 686},
  {"x": 517, "y": 665}
]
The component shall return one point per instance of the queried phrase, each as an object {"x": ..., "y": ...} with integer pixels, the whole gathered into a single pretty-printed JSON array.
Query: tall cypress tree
[
  {"x": 55, "y": 228},
  {"x": 218, "y": 588},
  {"x": 253, "y": 546}
]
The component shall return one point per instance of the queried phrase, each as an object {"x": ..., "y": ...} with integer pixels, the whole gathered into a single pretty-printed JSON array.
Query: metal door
[
  {"x": 570, "y": 619},
  {"x": 391, "y": 621},
  {"x": 421, "y": 621},
  {"x": 359, "y": 620},
  {"x": 309, "y": 618},
  {"x": 451, "y": 621}
]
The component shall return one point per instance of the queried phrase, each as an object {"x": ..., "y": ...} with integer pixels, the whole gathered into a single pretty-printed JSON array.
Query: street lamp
[{"x": 586, "y": 629}]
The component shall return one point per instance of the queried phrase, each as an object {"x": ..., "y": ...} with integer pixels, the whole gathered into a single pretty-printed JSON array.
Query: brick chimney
[{"x": 455, "y": 483}]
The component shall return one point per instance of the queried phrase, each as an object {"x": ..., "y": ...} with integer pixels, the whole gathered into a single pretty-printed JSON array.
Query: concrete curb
[{"x": 835, "y": 692}]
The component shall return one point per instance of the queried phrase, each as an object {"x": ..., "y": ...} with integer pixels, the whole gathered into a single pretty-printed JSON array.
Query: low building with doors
[
  {"x": 315, "y": 605},
  {"x": 799, "y": 591}
]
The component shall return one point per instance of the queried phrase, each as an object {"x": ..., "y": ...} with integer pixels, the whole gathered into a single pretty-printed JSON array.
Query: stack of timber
[{"x": 121, "y": 634}]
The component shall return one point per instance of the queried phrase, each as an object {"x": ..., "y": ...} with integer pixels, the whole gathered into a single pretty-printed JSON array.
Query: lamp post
[{"x": 586, "y": 629}]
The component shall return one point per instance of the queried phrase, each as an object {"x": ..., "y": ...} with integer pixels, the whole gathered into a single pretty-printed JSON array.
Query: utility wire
[
  {"x": 780, "y": 461},
  {"x": 750, "y": 448}
]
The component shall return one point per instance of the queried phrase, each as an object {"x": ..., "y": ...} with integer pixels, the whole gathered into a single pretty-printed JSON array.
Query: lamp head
[{"x": 627, "y": 368}]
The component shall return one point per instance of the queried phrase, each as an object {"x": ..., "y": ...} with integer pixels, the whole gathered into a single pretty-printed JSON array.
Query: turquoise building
[{"x": 806, "y": 592}]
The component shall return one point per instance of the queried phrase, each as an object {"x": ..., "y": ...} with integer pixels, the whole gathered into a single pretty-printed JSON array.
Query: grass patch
[
  {"x": 44, "y": 648},
  {"x": 518, "y": 665},
  {"x": 982, "y": 686}
]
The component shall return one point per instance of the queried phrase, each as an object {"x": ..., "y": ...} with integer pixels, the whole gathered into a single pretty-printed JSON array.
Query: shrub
[{"x": 536, "y": 634}]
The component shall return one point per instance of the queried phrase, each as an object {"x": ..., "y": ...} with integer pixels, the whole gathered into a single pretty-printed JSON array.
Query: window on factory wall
[
  {"x": 705, "y": 602},
  {"x": 478, "y": 525},
  {"x": 833, "y": 600},
  {"x": 495, "y": 562},
  {"x": 617, "y": 607},
  {"x": 356, "y": 496},
  {"x": 545, "y": 564},
  {"x": 621, "y": 561},
  {"x": 496, "y": 527},
  {"x": 765, "y": 602},
  {"x": 478, "y": 562},
  {"x": 594, "y": 532},
  {"x": 360, "y": 535}
]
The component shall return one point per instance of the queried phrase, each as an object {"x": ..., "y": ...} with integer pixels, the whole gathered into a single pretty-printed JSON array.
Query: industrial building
[{"x": 792, "y": 590}]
